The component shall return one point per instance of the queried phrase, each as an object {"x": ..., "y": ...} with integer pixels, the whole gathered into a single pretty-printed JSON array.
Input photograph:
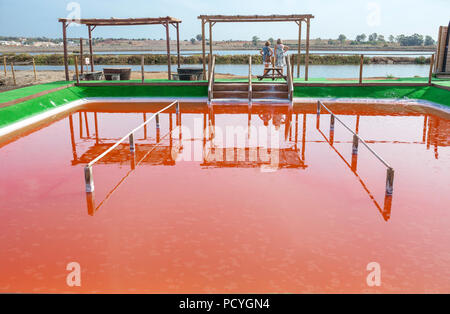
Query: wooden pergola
[
  {"x": 297, "y": 18},
  {"x": 93, "y": 23}
]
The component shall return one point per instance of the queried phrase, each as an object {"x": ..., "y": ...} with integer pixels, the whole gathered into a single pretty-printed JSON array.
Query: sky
[{"x": 35, "y": 18}]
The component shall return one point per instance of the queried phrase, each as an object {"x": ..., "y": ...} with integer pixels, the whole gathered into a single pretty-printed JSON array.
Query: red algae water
[{"x": 197, "y": 213}]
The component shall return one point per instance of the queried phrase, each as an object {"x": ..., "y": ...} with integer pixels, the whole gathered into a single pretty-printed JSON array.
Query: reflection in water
[
  {"x": 155, "y": 154},
  {"x": 289, "y": 153}
]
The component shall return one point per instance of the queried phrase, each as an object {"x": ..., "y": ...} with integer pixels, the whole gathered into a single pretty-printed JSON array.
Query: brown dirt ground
[{"x": 26, "y": 78}]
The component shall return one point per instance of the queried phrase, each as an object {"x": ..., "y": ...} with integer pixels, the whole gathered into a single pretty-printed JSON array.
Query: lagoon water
[{"x": 256, "y": 51}]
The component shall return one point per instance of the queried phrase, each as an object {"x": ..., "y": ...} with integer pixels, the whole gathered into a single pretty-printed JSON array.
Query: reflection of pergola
[
  {"x": 93, "y": 23},
  {"x": 297, "y": 18}
]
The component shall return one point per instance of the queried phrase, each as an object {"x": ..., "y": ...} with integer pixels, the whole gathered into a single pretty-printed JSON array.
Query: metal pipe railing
[
  {"x": 211, "y": 79},
  {"x": 356, "y": 140},
  {"x": 88, "y": 176},
  {"x": 290, "y": 79}
]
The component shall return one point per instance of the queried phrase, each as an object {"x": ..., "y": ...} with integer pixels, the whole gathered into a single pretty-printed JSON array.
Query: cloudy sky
[{"x": 34, "y": 18}]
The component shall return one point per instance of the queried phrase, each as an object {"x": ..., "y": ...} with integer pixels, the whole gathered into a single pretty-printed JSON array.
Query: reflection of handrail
[
  {"x": 88, "y": 169},
  {"x": 211, "y": 78},
  {"x": 356, "y": 140},
  {"x": 386, "y": 211},
  {"x": 90, "y": 197}
]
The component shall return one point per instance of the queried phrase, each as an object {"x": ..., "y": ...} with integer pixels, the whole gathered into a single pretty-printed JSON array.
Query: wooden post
[
  {"x": 178, "y": 43},
  {"x": 307, "y": 49},
  {"x": 13, "y": 74},
  {"x": 34, "y": 70},
  {"x": 209, "y": 65},
  {"x": 91, "y": 52},
  {"x": 292, "y": 70},
  {"x": 4, "y": 65},
  {"x": 431, "y": 69},
  {"x": 142, "y": 69},
  {"x": 210, "y": 39},
  {"x": 76, "y": 70},
  {"x": 203, "y": 49},
  {"x": 168, "y": 50},
  {"x": 81, "y": 55},
  {"x": 361, "y": 62},
  {"x": 299, "y": 48},
  {"x": 66, "y": 62}
]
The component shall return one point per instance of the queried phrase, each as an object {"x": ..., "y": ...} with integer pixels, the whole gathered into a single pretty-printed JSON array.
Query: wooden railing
[
  {"x": 211, "y": 73},
  {"x": 249, "y": 79}
]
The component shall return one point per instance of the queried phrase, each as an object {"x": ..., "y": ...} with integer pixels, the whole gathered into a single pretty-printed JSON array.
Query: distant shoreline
[
  {"x": 121, "y": 59},
  {"x": 4, "y": 49}
]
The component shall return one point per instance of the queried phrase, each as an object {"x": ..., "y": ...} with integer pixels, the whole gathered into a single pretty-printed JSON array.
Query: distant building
[
  {"x": 44, "y": 44},
  {"x": 442, "y": 65},
  {"x": 9, "y": 43}
]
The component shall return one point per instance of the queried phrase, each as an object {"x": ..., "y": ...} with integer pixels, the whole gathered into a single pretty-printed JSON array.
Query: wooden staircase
[
  {"x": 249, "y": 91},
  {"x": 277, "y": 91}
]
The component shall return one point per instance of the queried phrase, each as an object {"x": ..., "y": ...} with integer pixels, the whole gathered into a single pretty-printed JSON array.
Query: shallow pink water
[{"x": 307, "y": 224}]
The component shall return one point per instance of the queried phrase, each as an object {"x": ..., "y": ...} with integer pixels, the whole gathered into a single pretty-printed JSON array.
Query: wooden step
[
  {"x": 231, "y": 87},
  {"x": 270, "y": 95},
  {"x": 269, "y": 87},
  {"x": 230, "y": 94}
]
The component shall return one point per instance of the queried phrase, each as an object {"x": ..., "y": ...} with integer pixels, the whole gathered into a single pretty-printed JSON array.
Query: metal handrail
[
  {"x": 211, "y": 79},
  {"x": 356, "y": 140},
  {"x": 130, "y": 135},
  {"x": 289, "y": 80},
  {"x": 250, "y": 79}
]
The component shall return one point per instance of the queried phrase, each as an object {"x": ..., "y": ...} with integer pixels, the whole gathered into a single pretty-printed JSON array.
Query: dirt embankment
[{"x": 26, "y": 78}]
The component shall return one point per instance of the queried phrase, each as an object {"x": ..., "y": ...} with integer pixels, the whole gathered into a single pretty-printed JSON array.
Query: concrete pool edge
[
  {"x": 72, "y": 105},
  {"x": 429, "y": 96}
]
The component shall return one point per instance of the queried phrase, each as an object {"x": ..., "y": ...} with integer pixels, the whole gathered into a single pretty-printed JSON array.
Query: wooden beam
[
  {"x": 142, "y": 69},
  {"x": 76, "y": 69},
  {"x": 19, "y": 100},
  {"x": 255, "y": 18},
  {"x": 203, "y": 49},
  {"x": 178, "y": 43},
  {"x": 299, "y": 48},
  {"x": 168, "y": 51},
  {"x": 66, "y": 61},
  {"x": 210, "y": 41},
  {"x": 173, "y": 83},
  {"x": 431, "y": 69},
  {"x": 81, "y": 55},
  {"x": 91, "y": 52},
  {"x": 34, "y": 70},
  {"x": 440, "y": 86},
  {"x": 361, "y": 62},
  {"x": 127, "y": 21},
  {"x": 13, "y": 73},
  {"x": 357, "y": 84},
  {"x": 307, "y": 49}
]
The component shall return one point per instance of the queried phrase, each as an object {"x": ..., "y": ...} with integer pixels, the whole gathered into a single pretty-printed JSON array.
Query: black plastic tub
[
  {"x": 124, "y": 73},
  {"x": 189, "y": 74}
]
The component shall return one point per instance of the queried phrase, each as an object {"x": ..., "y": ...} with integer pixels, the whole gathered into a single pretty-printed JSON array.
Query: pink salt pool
[{"x": 200, "y": 215}]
